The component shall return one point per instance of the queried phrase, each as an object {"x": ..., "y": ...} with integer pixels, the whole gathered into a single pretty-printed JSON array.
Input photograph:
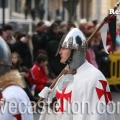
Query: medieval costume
[
  {"x": 14, "y": 102},
  {"x": 81, "y": 96}
]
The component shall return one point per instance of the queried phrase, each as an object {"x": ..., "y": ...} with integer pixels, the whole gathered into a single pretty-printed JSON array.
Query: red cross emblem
[
  {"x": 17, "y": 116},
  {"x": 101, "y": 92},
  {"x": 1, "y": 96},
  {"x": 1, "y": 102},
  {"x": 63, "y": 96}
]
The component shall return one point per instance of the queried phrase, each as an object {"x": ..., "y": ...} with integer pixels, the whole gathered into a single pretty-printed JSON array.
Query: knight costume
[
  {"x": 81, "y": 96},
  {"x": 14, "y": 102}
]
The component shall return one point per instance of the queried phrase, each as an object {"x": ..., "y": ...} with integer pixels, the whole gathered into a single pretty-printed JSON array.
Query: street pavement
[{"x": 116, "y": 99}]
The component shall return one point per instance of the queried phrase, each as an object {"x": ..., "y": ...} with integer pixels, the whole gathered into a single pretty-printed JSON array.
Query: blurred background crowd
[{"x": 33, "y": 55}]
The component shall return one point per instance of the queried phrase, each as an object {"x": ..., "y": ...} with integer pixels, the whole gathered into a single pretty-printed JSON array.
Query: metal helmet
[
  {"x": 76, "y": 41},
  {"x": 5, "y": 57}
]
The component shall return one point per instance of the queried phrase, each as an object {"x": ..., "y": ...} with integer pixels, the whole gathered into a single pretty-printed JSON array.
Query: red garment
[
  {"x": 90, "y": 56},
  {"x": 37, "y": 76},
  {"x": 109, "y": 42}
]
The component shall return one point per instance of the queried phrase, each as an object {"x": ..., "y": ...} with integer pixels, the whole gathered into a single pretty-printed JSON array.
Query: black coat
[
  {"x": 24, "y": 51},
  {"x": 38, "y": 41},
  {"x": 54, "y": 61}
]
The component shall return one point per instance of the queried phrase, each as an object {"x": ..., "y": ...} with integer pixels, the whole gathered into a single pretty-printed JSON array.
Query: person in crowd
[
  {"x": 38, "y": 39},
  {"x": 63, "y": 27},
  {"x": 3, "y": 34},
  {"x": 109, "y": 43},
  {"x": 54, "y": 61},
  {"x": 11, "y": 89},
  {"x": 9, "y": 31},
  {"x": 53, "y": 39},
  {"x": 53, "y": 33},
  {"x": 21, "y": 46},
  {"x": 70, "y": 25},
  {"x": 83, "y": 26},
  {"x": 102, "y": 58},
  {"x": 17, "y": 65},
  {"x": 38, "y": 73},
  {"x": 118, "y": 36},
  {"x": 16, "y": 35},
  {"x": 95, "y": 22},
  {"x": 90, "y": 54},
  {"x": 90, "y": 29},
  {"x": 16, "y": 61}
]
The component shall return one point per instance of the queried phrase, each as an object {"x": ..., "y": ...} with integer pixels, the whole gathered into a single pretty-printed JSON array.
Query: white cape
[
  {"x": 91, "y": 97},
  {"x": 12, "y": 109}
]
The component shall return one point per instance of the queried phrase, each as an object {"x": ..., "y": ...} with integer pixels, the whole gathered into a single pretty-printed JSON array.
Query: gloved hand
[{"x": 47, "y": 94}]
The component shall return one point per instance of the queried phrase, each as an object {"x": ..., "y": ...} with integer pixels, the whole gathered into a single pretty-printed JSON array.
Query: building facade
[{"x": 60, "y": 9}]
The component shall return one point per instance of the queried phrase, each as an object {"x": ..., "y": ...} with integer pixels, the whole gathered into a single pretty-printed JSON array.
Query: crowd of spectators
[{"x": 39, "y": 66}]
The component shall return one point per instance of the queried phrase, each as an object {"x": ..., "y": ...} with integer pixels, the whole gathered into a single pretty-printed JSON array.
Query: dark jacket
[
  {"x": 54, "y": 61},
  {"x": 38, "y": 41},
  {"x": 24, "y": 51}
]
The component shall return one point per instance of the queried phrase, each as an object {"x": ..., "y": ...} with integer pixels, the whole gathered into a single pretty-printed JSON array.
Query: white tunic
[
  {"x": 16, "y": 106},
  {"x": 90, "y": 99}
]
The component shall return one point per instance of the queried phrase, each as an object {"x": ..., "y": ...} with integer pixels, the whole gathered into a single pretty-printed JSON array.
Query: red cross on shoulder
[{"x": 101, "y": 92}]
